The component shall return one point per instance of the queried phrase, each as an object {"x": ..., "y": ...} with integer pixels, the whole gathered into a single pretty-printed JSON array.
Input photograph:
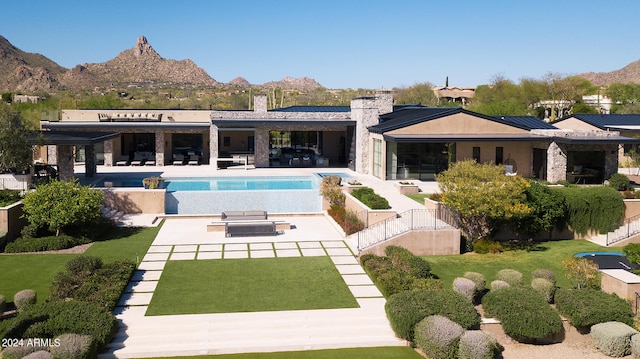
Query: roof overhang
[
  {"x": 71, "y": 137},
  {"x": 120, "y": 126},
  {"x": 221, "y": 122}
]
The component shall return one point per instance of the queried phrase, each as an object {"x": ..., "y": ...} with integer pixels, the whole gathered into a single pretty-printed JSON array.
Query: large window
[
  {"x": 377, "y": 157},
  {"x": 416, "y": 160}
]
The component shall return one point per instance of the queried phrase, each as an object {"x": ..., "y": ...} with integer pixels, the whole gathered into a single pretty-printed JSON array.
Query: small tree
[
  {"x": 330, "y": 189},
  {"x": 15, "y": 152},
  {"x": 58, "y": 205},
  {"x": 483, "y": 196},
  {"x": 581, "y": 272}
]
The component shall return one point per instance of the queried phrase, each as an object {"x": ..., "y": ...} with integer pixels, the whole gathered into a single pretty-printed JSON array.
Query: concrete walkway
[{"x": 201, "y": 334}]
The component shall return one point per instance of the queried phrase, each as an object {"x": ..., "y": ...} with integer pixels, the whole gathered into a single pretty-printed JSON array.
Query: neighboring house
[
  {"x": 461, "y": 95},
  {"x": 628, "y": 125},
  {"x": 371, "y": 136}
]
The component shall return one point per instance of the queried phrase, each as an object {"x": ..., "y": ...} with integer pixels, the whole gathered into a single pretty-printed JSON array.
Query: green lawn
[
  {"x": 351, "y": 353},
  {"x": 247, "y": 285},
  {"x": 548, "y": 255},
  {"x": 419, "y": 197},
  {"x": 36, "y": 271}
]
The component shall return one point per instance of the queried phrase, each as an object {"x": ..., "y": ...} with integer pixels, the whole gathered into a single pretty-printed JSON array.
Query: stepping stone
[
  {"x": 334, "y": 244},
  {"x": 360, "y": 291},
  {"x": 185, "y": 248},
  {"x": 152, "y": 265},
  {"x": 235, "y": 247},
  {"x": 350, "y": 269},
  {"x": 287, "y": 253},
  {"x": 210, "y": 248},
  {"x": 357, "y": 279},
  {"x": 285, "y": 245},
  {"x": 313, "y": 252},
  {"x": 141, "y": 287},
  {"x": 262, "y": 253},
  {"x": 209, "y": 255},
  {"x": 135, "y": 299},
  {"x": 344, "y": 259},
  {"x": 257, "y": 246},
  {"x": 236, "y": 254},
  {"x": 309, "y": 245},
  {"x": 156, "y": 257},
  {"x": 183, "y": 256},
  {"x": 159, "y": 249},
  {"x": 339, "y": 252},
  {"x": 141, "y": 275}
]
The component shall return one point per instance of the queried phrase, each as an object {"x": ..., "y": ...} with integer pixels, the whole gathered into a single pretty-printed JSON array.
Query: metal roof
[
  {"x": 608, "y": 121},
  {"x": 118, "y": 126},
  {"x": 443, "y": 138},
  {"x": 530, "y": 122},
  {"x": 224, "y": 122},
  {"x": 313, "y": 109}
]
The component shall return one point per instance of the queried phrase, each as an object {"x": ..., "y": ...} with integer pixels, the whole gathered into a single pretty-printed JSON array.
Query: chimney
[{"x": 260, "y": 103}]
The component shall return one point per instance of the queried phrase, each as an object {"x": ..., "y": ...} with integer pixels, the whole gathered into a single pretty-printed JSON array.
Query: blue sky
[{"x": 343, "y": 43}]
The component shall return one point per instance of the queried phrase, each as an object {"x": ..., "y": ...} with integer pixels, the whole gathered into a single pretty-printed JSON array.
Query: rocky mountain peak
[{"x": 144, "y": 49}]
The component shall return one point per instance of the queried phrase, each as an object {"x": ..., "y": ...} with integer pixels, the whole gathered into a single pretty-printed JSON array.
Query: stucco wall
[
  {"x": 133, "y": 200},
  {"x": 11, "y": 221},
  {"x": 520, "y": 152},
  {"x": 423, "y": 243},
  {"x": 624, "y": 284},
  {"x": 460, "y": 123},
  {"x": 367, "y": 215},
  {"x": 573, "y": 123}
]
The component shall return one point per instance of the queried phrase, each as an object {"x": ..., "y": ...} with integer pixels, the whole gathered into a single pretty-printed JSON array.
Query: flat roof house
[{"x": 371, "y": 136}]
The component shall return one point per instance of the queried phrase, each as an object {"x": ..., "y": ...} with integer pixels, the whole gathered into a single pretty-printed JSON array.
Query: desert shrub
[
  {"x": 50, "y": 319},
  {"x": 584, "y": 308},
  {"x": 499, "y": 284},
  {"x": 619, "y": 181},
  {"x": 87, "y": 279},
  {"x": 330, "y": 189},
  {"x": 581, "y": 272},
  {"x": 476, "y": 344},
  {"x": 438, "y": 337},
  {"x": 40, "y": 354},
  {"x": 426, "y": 283},
  {"x": 74, "y": 346},
  {"x": 9, "y": 196},
  {"x": 24, "y": 299},
  {"x": 406, "y": 261},
  {"x": 370, "y": 199},
  {"x": 524, "y": 314},
  {"x": 511, "y": 276},
  {"x": 592, "y": 208},
  {"x": 487, "y": 245},
  {"x": 374, "y": 264},
  {"x": 40, "y": 244},
  {"x": 407, "y": 308},
  {"x": 347, "y": 219},
  {"x": 635, "y": 346},
  {"x": 3, "y": 303},
  {"x": 465, "y": 287},
  {"x": 545, "y": 288},
  {"x": 544, "y": 273},
  {"x": 613, "y": 338},
  {"x": 393, "y": 281},
  {"x": 478, "y": 280},
  {"x": 21, "y": 351}
]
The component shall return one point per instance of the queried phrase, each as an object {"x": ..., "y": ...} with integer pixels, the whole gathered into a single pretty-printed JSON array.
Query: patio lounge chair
[
  {"x": 194, "y": 160},
  {"x": 178, "y": 160},
  {"x": 150, "y": 162},
  {"x": 123, "y": 161}
]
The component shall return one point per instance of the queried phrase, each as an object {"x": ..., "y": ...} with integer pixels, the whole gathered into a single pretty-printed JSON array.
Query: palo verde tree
[
  {"x": 483, "y": 196},
  {"x": 15, "y": 153},
  {"x": 58, "y": 205}
]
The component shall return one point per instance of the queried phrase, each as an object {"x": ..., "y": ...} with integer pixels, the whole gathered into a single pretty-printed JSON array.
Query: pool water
[{"x": 239, "y": 184}]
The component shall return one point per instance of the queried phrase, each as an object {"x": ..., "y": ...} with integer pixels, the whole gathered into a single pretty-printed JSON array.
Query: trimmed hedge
[
  {"x": 466, "y": 287},
  {"x": 51, "y": 319},
  {"x": 613, "y": 338},
  {"x": 545, "y": 288},
  {"x": 584, "y": 308},
  {"x": 9, "y": 196},
  {"x": 407, "y": 308},
  {"x": 74, "y": 346},
  {"x": 370, "y": 199},
  {"x": 478, "y": 279},
  {"x": 400, "y": 270},
  {"x": 476, "y": 344},
  {"x": 24, "y": 299},
  {"x": 41, "y": 244},
  {"x": 599, "y": 208},
  {"x": 544, "y": 273},
  {"x": 524, "y": 314},
  {"x": 499, "y": 284},
  {"x": 511, "y": 276},
  {"x": 438, "y": 337},
  {"x": 403, "y": 259}
]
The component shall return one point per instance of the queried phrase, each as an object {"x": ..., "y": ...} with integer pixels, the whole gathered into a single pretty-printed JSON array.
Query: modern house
[{"x": 371, "y": 136}]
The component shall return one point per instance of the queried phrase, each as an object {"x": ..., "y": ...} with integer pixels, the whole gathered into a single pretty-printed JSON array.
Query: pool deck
[{"x": 183, "y": 238}]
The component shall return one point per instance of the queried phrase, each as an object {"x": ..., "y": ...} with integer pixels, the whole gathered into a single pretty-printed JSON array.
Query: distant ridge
[
  {"x": 627, "y": 74},
  {"x": 141, "y": 66}
]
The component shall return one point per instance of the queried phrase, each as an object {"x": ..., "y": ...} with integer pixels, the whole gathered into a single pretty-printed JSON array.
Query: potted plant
[
  {"x": 153, "y": 182},
  {"x": 406, "y": 187}
]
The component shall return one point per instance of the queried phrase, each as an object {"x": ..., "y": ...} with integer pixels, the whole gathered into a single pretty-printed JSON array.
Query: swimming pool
[{"x": 240, "y": 183}]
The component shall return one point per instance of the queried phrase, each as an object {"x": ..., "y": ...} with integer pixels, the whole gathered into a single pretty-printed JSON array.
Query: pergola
[{"x": 64, "y": 142}]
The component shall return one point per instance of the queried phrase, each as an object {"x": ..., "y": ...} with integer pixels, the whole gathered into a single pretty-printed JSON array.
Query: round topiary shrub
[
  {"x": 524, "y": 314},
  {"x": 544, "y": 273},
  {"x": 427, "y": 283},
  {"x": 84, "y": 265},
  {"x": 40, "y": 354},
  {"x": 511, "y": 276},
  {"x": 21, "y": 351},
  {"x": 407, "y": 308},
  {"x": 24, "y": 298},
  {"x": 545, "y": 288},
  {"x": 74, "y": 346},
  {"x": 477, "y": 278},
  {"x": 438, "y": 337},
  {"x": 619, "y": 181},
  {"x": 465, "y": 287},
  {"x": 476, "y": 344},
  {"x": 499, "y": 284}
]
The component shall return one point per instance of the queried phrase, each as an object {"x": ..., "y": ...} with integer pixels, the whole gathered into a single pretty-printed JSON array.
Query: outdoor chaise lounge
[
  {"x": 194, "y": 160},
  {"x": 178, "y": 160},
  {"x": 250, "y": 229},
  {"x": 123, "y": 161},
  {"x": 243, "y": 215}
]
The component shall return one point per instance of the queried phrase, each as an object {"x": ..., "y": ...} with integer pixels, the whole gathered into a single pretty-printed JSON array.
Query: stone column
[
  {"x": 556, "y": 163},
  {"x": 108, "y": 153},
  {"x": 610, "y": 160},
  {"x": 261, "y": 151},
  {"x": 64, "y": 160},
  {"x": 159, "y": 134},
  {"x": 52, "y": 154},
  {"x": 365, "y": 113},
  {"x": 90, "y": 168},
  {"x": 213, "y": 146}
]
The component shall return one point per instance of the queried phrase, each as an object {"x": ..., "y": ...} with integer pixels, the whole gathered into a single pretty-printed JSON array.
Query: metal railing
[
  {"x": 14, "y": 184},
  {"x": 407, "y": 221},
  {"x": 630, "y": 227}
]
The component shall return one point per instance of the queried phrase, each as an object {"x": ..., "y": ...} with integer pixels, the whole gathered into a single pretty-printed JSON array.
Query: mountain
[
  {"x": 141, "y": 65},
  {"x": 627, "y": 74},
  {"x": 24, "y": 71}
]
